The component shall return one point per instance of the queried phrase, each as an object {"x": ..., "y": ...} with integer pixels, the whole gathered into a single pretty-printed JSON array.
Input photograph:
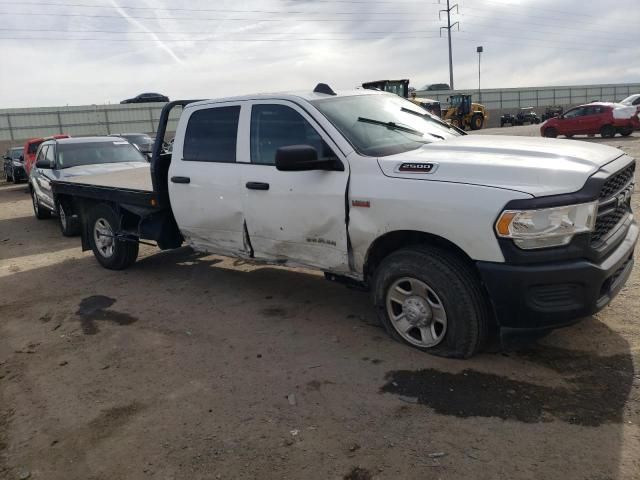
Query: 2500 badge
[{"x": 417, "y": 167}]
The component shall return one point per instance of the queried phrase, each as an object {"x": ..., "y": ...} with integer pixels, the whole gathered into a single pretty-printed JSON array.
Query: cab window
[
  {"x": 275, "y": 126},
  {"x": 211, "y": 135}
]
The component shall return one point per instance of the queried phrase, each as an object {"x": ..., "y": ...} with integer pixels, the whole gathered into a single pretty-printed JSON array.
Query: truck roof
[{"x": 307, "y": 95}]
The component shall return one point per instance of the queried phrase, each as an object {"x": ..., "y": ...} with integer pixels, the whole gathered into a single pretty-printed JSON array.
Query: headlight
[
  {"x": 547, "y": 227},
  {"x": 17, "y": 163}
]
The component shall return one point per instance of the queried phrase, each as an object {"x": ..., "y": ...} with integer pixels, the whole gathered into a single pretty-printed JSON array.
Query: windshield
[
  {"x": 76, "y": 154},
  {"x": 381, "y": 125},
  {"x": 138, "y": 139},
  {"x": 33, "y": 147},
  {"x": 15, "y": 153}
]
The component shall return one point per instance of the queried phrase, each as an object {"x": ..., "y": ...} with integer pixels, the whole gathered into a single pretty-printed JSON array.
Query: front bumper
[{"x": 544, "y": 296}]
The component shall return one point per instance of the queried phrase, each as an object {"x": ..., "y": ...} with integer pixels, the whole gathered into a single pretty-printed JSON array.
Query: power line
[
  {"x": 200, "y": 18},
  {"x": 212, "y": 40},
  {"x": 205, "y": 32},
  {"x": 197, "y": 10},
  {"x": 537, "y": 8}
]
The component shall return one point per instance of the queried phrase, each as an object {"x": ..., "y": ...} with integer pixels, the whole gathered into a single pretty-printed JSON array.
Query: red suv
[
  {"x": 30, "y": 149},
  {"x": 607, "y": 119}
]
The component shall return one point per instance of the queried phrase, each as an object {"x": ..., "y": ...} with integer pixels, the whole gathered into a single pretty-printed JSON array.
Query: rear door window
[{"x": 212, "y": 135}]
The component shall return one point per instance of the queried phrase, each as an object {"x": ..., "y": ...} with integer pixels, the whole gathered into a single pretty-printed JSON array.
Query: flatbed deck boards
[{"x": 130, "y": 179}]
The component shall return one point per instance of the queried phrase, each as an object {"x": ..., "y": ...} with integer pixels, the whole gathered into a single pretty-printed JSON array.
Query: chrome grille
[
  {"x": 618, "y": 181},
  {"x": 611, "y": 210}
]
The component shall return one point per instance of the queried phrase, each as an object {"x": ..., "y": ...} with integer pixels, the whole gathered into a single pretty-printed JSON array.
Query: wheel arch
[{"x": 388, "y": 243}]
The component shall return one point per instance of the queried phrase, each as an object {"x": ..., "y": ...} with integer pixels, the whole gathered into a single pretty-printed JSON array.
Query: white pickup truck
[{"x": 457, "y": 237}]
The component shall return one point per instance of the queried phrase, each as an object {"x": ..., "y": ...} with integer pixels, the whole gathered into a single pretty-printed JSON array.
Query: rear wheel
[
  {"x": 477, "y": 120},
  {"x": 550, "y": 132},
  {"x": 113, "y": 252},
  {"x": 430, "y": 299},
  {"x": 39, "y": 211},
  {"x": 607, "y": 131}
]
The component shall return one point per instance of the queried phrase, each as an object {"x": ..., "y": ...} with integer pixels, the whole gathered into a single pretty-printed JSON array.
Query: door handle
[
  {"x": 180, "y": 179},
  {"x": 257, "y": 186}
]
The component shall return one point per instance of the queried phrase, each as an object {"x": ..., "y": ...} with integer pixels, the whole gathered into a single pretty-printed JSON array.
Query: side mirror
[
  {"x": 43, "y": 164},
  {"x": 298, "y": 158}
]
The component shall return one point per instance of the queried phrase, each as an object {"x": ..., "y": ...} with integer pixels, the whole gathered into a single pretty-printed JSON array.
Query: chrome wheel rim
[
  {"x": 34, "y": 199},
  {"x": 416, "y": 312},
  {"x": 103, "y": 237},
  {"x": 63, "y": 216}
]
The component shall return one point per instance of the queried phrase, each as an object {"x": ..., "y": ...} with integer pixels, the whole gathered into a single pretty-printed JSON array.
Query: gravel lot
[{"x": 200, "y": 367}]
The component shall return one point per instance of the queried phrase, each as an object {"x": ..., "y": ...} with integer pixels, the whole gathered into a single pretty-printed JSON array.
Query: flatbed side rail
[
  {"x": 118, "y": 195},
  {"x": 160, "y": 161}
]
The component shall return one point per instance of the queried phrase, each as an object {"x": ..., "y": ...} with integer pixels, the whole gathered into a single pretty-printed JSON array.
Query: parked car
[
  {"x": 455, "y": 235},
  {"x": 437, "y": 86},
  {"x": 605, "y": 119},
  {"x": 527, "y": 115},
  {"x": 142, "y": 141},
  {"x": 507, "y": 118},
  {"x": 30, "y": 149},
  {"x": 551, "y": 112},
  {"x": 632, "y": 100},
  {"x": 63, "y": 159},
  {"x": 14, "y": 165},
  {"x": 147, "y": 98}
]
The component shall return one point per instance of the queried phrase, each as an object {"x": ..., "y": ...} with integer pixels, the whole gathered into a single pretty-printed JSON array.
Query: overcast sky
[{"x": 59, "y": 52}]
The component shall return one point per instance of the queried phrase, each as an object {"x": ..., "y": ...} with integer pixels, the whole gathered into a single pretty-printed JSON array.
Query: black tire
[
  {"x": 455, "y": 286},
  {"x": 477, "y": 120},
  {"x": 123, "y": 253},
  {"x": 69, "y": 223},
  {"x": 537, "y": 121},
  {"x": 607, "y": 131},
  {"x": 40, "y": 212},
  {"x": 501, "y": 124},
  {"x": 550, "y": 132},
  {"x": 569, "y": 136},
  {"x": 625, "y": 132},
  {"x": 9, "y": 178},
  {"x": 14, "y": 179}
]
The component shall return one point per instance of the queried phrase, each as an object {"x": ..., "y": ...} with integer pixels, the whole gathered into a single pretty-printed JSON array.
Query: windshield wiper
[
  {"x": 391, "y": 126},
  {"x": 432, "y": 119}
]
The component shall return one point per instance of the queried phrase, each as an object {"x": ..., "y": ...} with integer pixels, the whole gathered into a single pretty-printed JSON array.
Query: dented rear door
[{"x": 293, "y": 217}]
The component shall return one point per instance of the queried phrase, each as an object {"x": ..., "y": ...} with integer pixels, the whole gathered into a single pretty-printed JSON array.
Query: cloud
[
  {"x": 224, "y": 51},
  {"x": 141, "y": 26}
]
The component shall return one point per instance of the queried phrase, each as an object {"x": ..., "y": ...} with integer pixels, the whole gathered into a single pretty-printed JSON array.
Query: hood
[
  {"x": 538, "y": 166},
  {"x": 100, "y": 168}
]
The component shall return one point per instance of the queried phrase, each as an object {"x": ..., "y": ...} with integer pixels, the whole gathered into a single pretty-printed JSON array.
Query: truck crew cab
[{"x": 456, "y": 236}]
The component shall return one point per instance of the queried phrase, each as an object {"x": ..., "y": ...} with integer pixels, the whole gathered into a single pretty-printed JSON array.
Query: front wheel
[
  {"x": 430, "y": 299},
  {"x": 625, "y": 132},
  {"x": 112, "y": 251},
  {"x": 550, "y": 132},
  {"x": 69, "y": 225},
  {"x": 477, "y": 121},
  {"x": 39, "y": 211}
]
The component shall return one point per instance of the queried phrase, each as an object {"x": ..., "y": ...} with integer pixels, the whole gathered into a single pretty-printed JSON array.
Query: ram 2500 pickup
[{"x": 457, "y": 237}]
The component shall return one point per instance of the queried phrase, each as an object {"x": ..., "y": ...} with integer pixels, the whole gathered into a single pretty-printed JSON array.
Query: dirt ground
[{"x": 200, "y": 367}]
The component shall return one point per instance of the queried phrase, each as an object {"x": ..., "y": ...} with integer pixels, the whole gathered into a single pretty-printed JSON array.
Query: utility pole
[
  {"x": 448, "y": 28},
  {"x": 479, "y": 50}
]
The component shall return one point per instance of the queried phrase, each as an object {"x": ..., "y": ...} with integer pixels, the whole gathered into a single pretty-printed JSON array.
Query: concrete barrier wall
[{"x": 20, "y": 124}]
